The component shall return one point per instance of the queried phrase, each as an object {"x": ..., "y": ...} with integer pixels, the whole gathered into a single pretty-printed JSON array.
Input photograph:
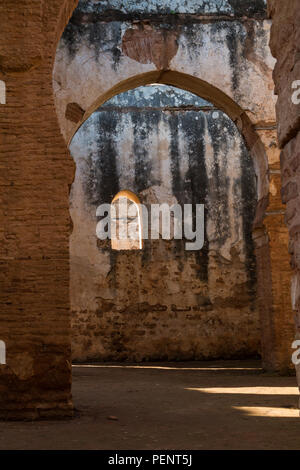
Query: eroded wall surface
[
  {"x": 36, "y": 170},
  {"x": 218, "y": 43},
  {"x": 285, "y": 46},
  {"x": 218, "y": 50},
  {"x": 163, "y": 302}
]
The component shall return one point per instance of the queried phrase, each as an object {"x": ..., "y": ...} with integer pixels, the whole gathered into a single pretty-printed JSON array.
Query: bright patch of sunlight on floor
[
  {"x": 209, "y": 368},
  {"x": 250, "y": 390},
  {"x": 268, "y": 411}
]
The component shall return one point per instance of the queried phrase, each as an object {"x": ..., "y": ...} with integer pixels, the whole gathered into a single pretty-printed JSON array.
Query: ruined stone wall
[
  {"x": 163, "y": 302},
  {"x": 219, "y": 51},
  {"x": 285, "y": 46},
  {"x": 35, "y": 176}
]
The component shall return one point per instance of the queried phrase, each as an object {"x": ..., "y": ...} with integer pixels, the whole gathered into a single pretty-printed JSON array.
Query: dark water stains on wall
[
  {"x": 256, "y": 8},
  {"x": 159, "y": 96},
  {"x": 141, "y": 131},
  {"x": 177, "y": 183},
  {"x": 248, "y": 197},
  {"x": 219, "y": 183},
  {"x": 124, "y": 8},
  {"x": 232, "y": 41},
  {"x": 164, "y": 302},
  {"x": 100, "y": 37},
  {"x": 102, "y": 25},
  {"x": 71, "y": 38},
  {"x": 106, "y": 38},
  {"x": 102, "y": 183},
  {"x": 196, "y": 178}
]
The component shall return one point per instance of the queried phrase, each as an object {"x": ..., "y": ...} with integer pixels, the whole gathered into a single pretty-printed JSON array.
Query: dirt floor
[{"x": 195, "y": 405}]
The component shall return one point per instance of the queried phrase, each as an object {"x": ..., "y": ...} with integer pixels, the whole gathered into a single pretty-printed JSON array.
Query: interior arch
[{"x": 221, "y": 101}]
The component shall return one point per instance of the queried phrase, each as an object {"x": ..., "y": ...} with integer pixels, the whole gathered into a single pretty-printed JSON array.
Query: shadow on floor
[{"x": 196, "y": 405}]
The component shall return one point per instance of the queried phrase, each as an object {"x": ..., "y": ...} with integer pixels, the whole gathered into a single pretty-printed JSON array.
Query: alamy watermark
[
  {"x": 296, "y": 93},
  {"x": 296, "y": 354},
  {"x": 296, "y": 344},
  {"x": 2, "y": 92},
  {"x": 123, "y": 221}
]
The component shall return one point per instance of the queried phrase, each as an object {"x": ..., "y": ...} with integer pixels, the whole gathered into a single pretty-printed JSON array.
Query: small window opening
[
  {"x": 2, "y": 353},
  {"x": 126, "y": 226}
]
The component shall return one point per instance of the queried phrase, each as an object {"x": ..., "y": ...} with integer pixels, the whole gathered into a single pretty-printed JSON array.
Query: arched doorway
[
  {"x": 242, "y": 89},
  {"x": 161, "y": 301}
]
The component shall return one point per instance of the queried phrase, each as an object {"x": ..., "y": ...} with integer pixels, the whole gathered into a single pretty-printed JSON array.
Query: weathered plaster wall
[
  {"x": 285, "y": 46},
  {"x": 98, "y": 52},
  {"x": 218, "y": 50},
  {"x": 233, "y": 8},
  {"x": 163, "y": 302}
]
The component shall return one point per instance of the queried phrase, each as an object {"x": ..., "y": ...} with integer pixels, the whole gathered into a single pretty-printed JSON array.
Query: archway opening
[
  {"x": 210, "y": 79},
  {"x": 167, "y": 146}
]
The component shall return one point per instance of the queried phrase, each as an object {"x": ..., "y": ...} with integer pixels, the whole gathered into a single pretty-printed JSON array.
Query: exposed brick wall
[
  {"x": 35, "y": 223},
  {"x": 285, "y": 46}
]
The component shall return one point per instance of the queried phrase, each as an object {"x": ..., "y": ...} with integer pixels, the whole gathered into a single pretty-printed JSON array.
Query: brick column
[
  {"x": 36, "y": 172},
  {"x": 285, "y": 46}
]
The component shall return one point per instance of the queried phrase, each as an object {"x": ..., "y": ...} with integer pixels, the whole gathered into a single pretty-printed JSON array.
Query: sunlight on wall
[
  {"x": 2, "y": 92},
  {"x": 2, "y": 352},
  {"x": 126, "y": 227}
]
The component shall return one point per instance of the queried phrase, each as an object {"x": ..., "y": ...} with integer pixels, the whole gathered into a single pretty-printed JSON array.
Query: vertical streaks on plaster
[
  {"x": 102, "y": 179},
  {"x": 2, "y": 92},
  {"x": 141, "y": 132},
  {"x": 175, "y": 156},
  {"x": 196, "y": 177},
  {"x": 219, "y": 181},
  {"x": 233, "y": 37},
  {"x": 249, "y": 198}
]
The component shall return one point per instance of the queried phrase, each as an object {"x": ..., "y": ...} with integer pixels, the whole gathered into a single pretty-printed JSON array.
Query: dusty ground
[{"x": 215, "y": 405}]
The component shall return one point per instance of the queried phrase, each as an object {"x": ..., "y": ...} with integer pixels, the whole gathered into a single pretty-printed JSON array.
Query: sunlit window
[
  {"x": 2, "y": 352},
  {"x": 126, "y": 228}
]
